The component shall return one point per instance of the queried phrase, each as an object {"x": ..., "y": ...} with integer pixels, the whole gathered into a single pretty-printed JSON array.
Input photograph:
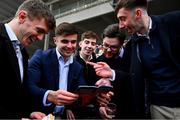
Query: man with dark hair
[
  {"x": 155, "y": 60},
  {"x": 54, "y": 75},
  {"x": 32, "y": 21},
  {"x": 86, "y": 53},
  {"x": 113, "y": 39},
  {"x": 155, "y": 63}
]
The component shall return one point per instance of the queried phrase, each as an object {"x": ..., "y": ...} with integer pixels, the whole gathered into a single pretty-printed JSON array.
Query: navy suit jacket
[
  {"x": 43, "y": 74},
  {"x": 169, "y": 31},
  {"x": 11, "y": 89}
]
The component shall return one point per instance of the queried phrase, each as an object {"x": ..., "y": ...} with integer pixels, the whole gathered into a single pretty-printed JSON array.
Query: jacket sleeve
[{"x": 34, "y": 77}]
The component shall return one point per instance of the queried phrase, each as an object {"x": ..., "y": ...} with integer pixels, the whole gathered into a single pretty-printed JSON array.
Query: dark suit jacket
[
  {"x": 121, "y": 87},
  {"x": 88, "y": 71},
  {"x": 169, "y": 31},
  {"x": 43, "y": 74},
  {"x": 11, "y": 88}
]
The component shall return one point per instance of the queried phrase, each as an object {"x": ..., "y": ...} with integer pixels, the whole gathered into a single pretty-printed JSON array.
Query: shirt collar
[
  {"x": 70, "y": 59},
  {"x": 84, "y": 59},
  {"x": 11, "y": 33}
]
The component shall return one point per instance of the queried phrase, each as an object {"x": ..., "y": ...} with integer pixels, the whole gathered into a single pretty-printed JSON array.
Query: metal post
[{"x": 47, "y": 37}]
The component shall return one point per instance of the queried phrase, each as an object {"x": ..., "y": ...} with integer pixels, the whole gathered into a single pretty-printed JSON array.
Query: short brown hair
[
  {"x": 113, "y": 31},
  {"x": 65, "y": 29},
  {"x": 130, "y": 4},
  {"x": 38, "y": 9},
  {"x": 88, "y": 35}
]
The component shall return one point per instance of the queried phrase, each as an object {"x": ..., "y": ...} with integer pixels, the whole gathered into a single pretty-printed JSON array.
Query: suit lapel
[
  {"x": 54, "y": 66},
  {"x": 10, "y": 52},
  {"x": 70, "y": 76},
  {"x": 25, "y": 61}
]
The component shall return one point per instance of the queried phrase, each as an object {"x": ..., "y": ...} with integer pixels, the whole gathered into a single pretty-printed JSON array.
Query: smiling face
[
  {"x": 87, "y": 46},
  {"x": 111, "y": 47},
  {"x": 66, "y": 44},
  {"x": 31, "y": 30},
  {"x": 128, "y": 18}
]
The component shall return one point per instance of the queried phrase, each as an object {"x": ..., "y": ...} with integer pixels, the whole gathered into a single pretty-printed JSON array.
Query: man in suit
[
  {"x": 32, "y": 21},
  {"x": 54, "y": 75},
  {"x": 155, "y": 61}
]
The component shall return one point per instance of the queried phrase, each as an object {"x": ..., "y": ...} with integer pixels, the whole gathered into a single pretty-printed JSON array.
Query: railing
[{"x": 77, "y": 6}]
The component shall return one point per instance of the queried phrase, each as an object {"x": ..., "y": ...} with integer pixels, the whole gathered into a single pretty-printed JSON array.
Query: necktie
[{"x": 16, "y": 45}]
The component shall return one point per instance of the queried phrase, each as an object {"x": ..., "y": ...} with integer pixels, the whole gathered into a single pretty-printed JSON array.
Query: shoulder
[
  {"x": 40, "y": 52},
  {"x": 3, "y": 34},
  {"x": 100, "y": 58},
  {"x": 169, "y": 19},
  {"x": 76, "y": 66}
]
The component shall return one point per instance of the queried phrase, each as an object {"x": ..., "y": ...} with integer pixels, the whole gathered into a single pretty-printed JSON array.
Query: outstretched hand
[
  {"x": 37, "y": 115},
  {"x": 102, "y": 69},
  {"x": 62, "y": 97}
]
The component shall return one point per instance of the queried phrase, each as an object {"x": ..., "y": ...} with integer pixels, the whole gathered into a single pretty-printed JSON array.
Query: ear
[
  {"x": 55, "y": 39},
  {"x": 22, "y": 15},
  {"x": 80, "y": 43},
  {"x": 138, "y": 13}
]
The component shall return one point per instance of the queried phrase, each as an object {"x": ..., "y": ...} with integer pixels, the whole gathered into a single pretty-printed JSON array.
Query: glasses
[{"x": 111, "y": 47}]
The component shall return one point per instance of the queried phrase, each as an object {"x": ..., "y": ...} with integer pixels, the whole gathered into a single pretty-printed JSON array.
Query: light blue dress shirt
[
  {"x": 13, "y": 37},
  {"x": 63, "y": 78}
]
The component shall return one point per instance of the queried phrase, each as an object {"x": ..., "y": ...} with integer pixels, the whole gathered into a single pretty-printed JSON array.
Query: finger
[
  {"x": 68, "y": 94},
  {"x": 110, "y": 93},
  {"x": 103, "y": 82},
  {"x": 70, "y": 115},
  {"x": 105, "y": 97},
  {"x": 99, "y": 82},
  {"x": 64, "y": 100},
  {"x": 101, "y": 63},
  {"x": 91, "y": 63},
  {"x": 98, "y": 68},
  {"x": 102, "y": 102}
]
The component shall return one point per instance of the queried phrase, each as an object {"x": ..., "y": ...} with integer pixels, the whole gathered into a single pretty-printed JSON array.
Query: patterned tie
[{"x": 16, "y": 45}]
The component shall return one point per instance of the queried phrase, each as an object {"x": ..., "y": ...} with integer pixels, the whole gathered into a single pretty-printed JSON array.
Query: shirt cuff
[
  {"x": 45, "y": 102},
  {"x": 113, "y": 76}
]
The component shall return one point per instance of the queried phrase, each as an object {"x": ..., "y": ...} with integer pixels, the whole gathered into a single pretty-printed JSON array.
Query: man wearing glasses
[{"x": 113, "y": 39}]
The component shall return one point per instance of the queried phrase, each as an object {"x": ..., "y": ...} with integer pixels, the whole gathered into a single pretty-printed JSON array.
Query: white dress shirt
[{"x": 14, "y": 38}]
